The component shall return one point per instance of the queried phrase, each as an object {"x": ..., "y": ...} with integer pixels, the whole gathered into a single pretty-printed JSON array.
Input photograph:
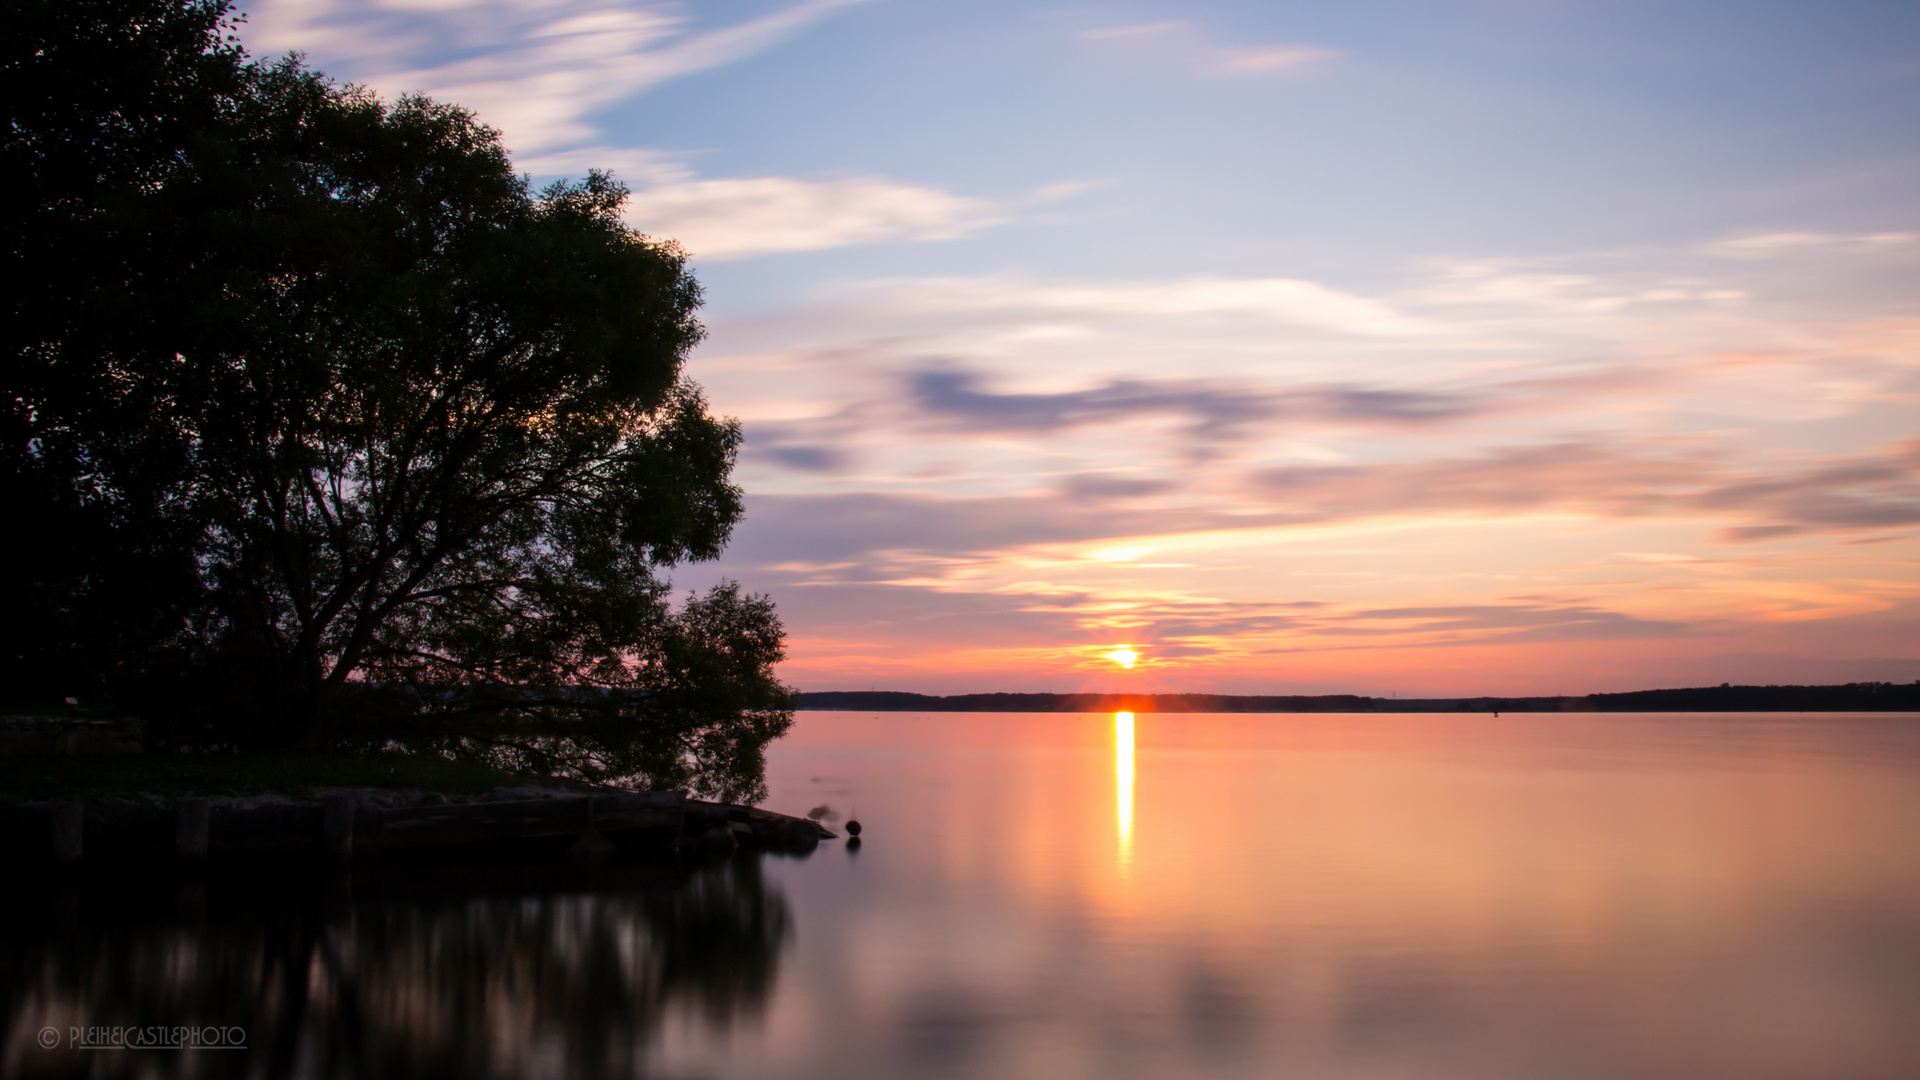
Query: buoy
[{"x": 853, "y": 828}]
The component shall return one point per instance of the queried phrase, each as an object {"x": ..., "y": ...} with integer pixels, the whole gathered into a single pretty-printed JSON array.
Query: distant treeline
[{"x": 1852, "y": 697}]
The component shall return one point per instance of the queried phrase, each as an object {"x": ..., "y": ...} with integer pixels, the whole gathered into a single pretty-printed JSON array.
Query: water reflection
[
  {"x": 1123, "y": 786},
  {"x": 455, "y": 971},
  {"x": 1579, "y": 897},
  {"x": 1338, "y": 897}
]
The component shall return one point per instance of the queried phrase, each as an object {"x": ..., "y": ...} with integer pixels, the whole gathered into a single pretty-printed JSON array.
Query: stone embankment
[{"x": 345, "y": 826}]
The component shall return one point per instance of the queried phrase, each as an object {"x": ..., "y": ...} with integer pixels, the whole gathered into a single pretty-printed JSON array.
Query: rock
[
  {"x": 718, "y": 840},
  {"x": 798, "y": 836},
  {"x": 591, "y": 847}
]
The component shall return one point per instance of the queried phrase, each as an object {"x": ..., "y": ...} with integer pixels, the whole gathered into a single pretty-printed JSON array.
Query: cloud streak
[
  {"x": 537, "y": 70},
  {"x": 1875, "y": 490},
  {"x": 730, "y": 219},
  {"x": 1181, "y": 45},
  {"x": 1212, "y": 411},
  {"x": 1769, "y": 245},
  {"x": 543, "y": 70},
  {"x": 1286, "y": 301},
  {"x": 1878, "y": 490}
]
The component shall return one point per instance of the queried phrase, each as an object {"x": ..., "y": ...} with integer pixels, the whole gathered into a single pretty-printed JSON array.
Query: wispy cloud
[
  {"x": 1181, "y": 44},
  {"x": 721, "y": 219},
  {"x": 727, "y": 219},
  {"x": 1767, "y": 245},
  {"x": 1009, "y": 385},
  {"x": 873, "y": 535},
  {"x": 1507, "y": 623},
  {"x": 1214, "y": 411},
  {"x": 1282, "y": 300},
  {"x": 1847, "y": 494},
  {"x": 542, "y": 71},
  {"x": 1878, "y": 489},
  {"x": 1100, "y": 487},
  {"x": 536, "y": 69},
  {"x": 1272, "y": 58}
]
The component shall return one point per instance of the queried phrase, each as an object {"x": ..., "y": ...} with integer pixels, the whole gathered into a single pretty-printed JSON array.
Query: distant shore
[{"x": 1848, "y": 697}]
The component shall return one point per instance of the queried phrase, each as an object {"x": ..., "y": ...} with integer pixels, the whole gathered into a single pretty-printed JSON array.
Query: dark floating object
[
  {"x": 853, "y": 844},
  {"x": 853, "y": 828}
]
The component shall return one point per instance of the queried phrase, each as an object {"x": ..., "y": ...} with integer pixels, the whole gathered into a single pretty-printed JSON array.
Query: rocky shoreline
[{"x": 355, "y": 825}]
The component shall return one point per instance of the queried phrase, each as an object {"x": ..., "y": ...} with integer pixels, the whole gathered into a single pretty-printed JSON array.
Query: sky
[{"x": 1416, "y": 348}]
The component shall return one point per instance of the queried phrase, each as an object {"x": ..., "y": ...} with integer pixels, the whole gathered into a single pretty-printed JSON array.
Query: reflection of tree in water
[{"x": 415, "y": 973}]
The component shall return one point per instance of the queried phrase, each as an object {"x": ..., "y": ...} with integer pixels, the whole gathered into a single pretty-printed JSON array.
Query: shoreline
[
  {"x": 352, "y": 826},
  {"x": 1848, "y": 697}
]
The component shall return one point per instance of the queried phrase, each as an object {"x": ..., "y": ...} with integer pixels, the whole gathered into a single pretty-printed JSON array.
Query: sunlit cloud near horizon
[{"x": 1443, "y": 349}]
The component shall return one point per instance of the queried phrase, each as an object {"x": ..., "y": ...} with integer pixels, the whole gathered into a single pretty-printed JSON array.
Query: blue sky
[{"x": 1473, "y": 347}]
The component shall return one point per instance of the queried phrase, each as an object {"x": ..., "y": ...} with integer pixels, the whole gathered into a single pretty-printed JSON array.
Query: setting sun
[{"x": 1123, "y": 656}]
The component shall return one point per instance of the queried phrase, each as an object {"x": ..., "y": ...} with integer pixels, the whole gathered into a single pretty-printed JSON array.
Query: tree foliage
[{"x": 320, "y": 414}]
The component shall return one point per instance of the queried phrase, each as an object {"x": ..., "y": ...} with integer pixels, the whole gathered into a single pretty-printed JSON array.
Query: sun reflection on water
[{"x": 1123, "y": 786}]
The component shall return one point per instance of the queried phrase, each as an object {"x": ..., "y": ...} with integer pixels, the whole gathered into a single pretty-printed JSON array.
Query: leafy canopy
[{"x": 323, "y": 419}]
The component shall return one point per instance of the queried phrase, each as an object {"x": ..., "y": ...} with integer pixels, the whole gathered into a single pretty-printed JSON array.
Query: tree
[
  {"x": 415, "y": 439},
  {"x": 103, "y": 100}
]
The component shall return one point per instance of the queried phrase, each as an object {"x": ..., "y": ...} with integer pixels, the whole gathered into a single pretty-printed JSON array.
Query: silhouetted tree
[
  {"x": 319, "y": 411},
  {"x": 104, "y": 102}
]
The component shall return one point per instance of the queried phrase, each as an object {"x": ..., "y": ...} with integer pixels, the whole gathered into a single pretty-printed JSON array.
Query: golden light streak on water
[{"x": 1123, "y": 787}]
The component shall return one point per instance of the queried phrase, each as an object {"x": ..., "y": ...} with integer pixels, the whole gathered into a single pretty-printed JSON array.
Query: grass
[{"x": 88, "y": 777}]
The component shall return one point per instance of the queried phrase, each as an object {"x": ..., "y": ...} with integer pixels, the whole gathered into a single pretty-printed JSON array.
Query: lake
[{"x": 1061, "y": 896}]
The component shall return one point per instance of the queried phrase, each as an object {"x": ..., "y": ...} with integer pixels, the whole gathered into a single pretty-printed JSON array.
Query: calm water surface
[{"x": 1557, "y": 896}]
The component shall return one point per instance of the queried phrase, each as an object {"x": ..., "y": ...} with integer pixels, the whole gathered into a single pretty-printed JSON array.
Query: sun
[{"x": 1123, "y": 656}]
